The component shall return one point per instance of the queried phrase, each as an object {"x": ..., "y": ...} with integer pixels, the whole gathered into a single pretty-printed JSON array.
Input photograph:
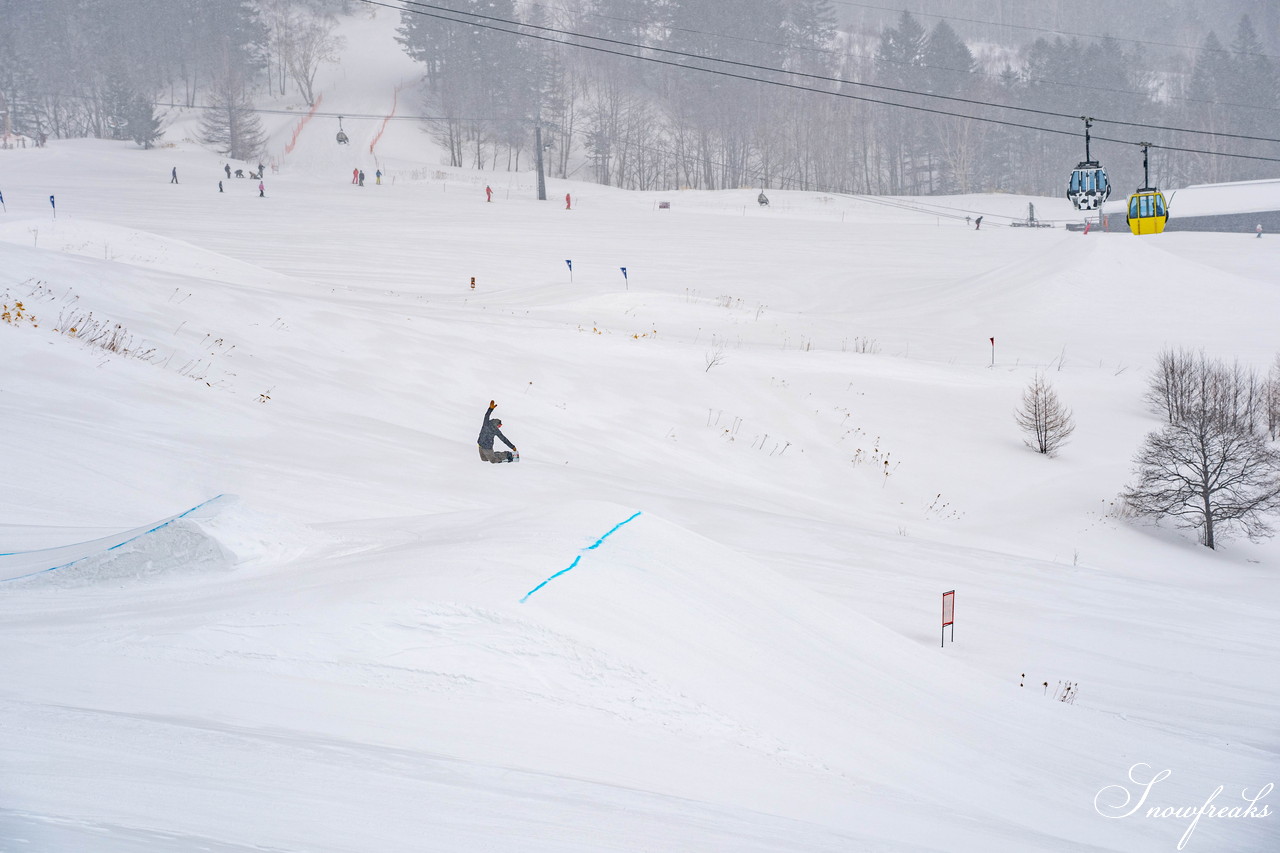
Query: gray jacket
[{"x": 489, "y": 431}]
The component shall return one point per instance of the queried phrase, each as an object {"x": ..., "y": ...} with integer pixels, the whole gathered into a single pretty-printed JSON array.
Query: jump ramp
[{"x": 181, "y": 542}]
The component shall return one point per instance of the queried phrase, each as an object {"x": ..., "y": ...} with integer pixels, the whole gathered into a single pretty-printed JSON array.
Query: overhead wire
[
  {"x": 834, "y": 54},
  {"x": 475, "y": 19}
]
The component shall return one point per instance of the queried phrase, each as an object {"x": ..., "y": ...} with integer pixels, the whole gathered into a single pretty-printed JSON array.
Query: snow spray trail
[
  {"x": 24, "y": 564},
  {"x": 578, "y": 558}
]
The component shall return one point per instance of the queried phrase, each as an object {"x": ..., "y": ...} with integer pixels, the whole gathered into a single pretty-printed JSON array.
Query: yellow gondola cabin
[{"x": 1148, "y": 211}]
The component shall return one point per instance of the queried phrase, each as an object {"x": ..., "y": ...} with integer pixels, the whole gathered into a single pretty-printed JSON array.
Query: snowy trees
[
  {"x": 1231, "y": 89},
  {"x": 948, "y": 66},
  {"x": 300, "y": 37},
  {"x": 481, "y": 79},
  {"x": 1273, "y": 400},
  {"x": 1210, "y": 468},
  {"x": 1042, "y": 416},
  {"x": 311, "y": 42},
  {"x": 67, "y": 67},
  {"x": 141, "y": 122},
  {"x": 900, "y": 59},
  {"x": 647, "y": 126}
]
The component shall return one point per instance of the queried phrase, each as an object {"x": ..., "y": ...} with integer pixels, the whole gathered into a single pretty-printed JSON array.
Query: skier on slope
[{"x": 488, "y": 432}]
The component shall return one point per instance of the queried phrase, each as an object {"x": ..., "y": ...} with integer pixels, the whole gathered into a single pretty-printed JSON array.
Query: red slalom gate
[{"x": 948, "y": 615}]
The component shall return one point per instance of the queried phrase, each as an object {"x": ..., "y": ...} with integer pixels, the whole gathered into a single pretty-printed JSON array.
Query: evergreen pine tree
[
  {"x": 948, "y": 68},
  {"x": 143, "y": 123},
  {"x": 1254, "y": 93},
  {"x": 230, "y": 125}
]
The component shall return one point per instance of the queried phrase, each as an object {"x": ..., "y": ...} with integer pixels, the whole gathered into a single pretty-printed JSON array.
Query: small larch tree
[{"x": 1047, "y": 423}]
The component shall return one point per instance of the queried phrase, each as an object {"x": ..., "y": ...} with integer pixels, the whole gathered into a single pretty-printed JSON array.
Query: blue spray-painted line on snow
[
  {"x": 165, "y": 523},
  {"x": 578, "y": 558},
  {"x": 575, "y": 562},
  {"x": 610, "y": 533}
]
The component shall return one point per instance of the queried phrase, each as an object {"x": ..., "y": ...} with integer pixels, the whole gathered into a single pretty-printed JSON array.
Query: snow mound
[
  {"x": 218, "y": 535},
  {"x": 134, "y": 247}
]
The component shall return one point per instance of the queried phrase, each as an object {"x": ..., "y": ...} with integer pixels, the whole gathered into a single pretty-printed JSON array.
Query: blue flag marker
[
  {"x": 54, "y": 205},
  {"x": 6, "y": 210},
  {"x": 569, "y": 263},
  {"x": 624, "y": 277}
]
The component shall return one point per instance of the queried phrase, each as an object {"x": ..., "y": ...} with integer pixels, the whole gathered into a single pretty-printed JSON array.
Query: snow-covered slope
[{"x": 702, "y": 612}]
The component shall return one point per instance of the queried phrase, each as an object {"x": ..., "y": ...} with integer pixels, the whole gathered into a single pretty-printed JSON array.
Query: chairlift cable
[{"x": 475, "y": 20}]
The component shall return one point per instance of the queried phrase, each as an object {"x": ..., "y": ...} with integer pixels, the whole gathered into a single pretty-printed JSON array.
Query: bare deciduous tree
[
  {"x": 310, "y": 41},
  {"x": 1169, "y": 391},
  {"x": 1210, "y": 469},
  {"x": 1273, "y": 400},
  {"x": 1186, "y": 384},
  {"x": 1042, "y": 416}
]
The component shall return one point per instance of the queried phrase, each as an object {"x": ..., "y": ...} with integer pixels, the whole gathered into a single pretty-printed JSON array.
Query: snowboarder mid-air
[{"x": 488, "y": 432}]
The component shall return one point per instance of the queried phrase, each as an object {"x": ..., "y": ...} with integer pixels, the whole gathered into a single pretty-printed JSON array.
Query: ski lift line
[
  {"x": 370, "y": 116},
  {"x": 887, "y": 103},
  {"x": 473, "y": 20},
  {"x": 1047, "y": 30},
  {"x": 797, "y": 87},
  {"x": 269, "y": 111},
  {"x": 688, "y": 55},
  {"x": 920, "y": 207},
  {"x": 836, "y": 54},
  {"x": 578, "y": 558}
]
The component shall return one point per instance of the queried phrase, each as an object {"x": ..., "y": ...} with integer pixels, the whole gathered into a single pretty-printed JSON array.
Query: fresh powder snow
[{"x": 259, "y": 593}]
